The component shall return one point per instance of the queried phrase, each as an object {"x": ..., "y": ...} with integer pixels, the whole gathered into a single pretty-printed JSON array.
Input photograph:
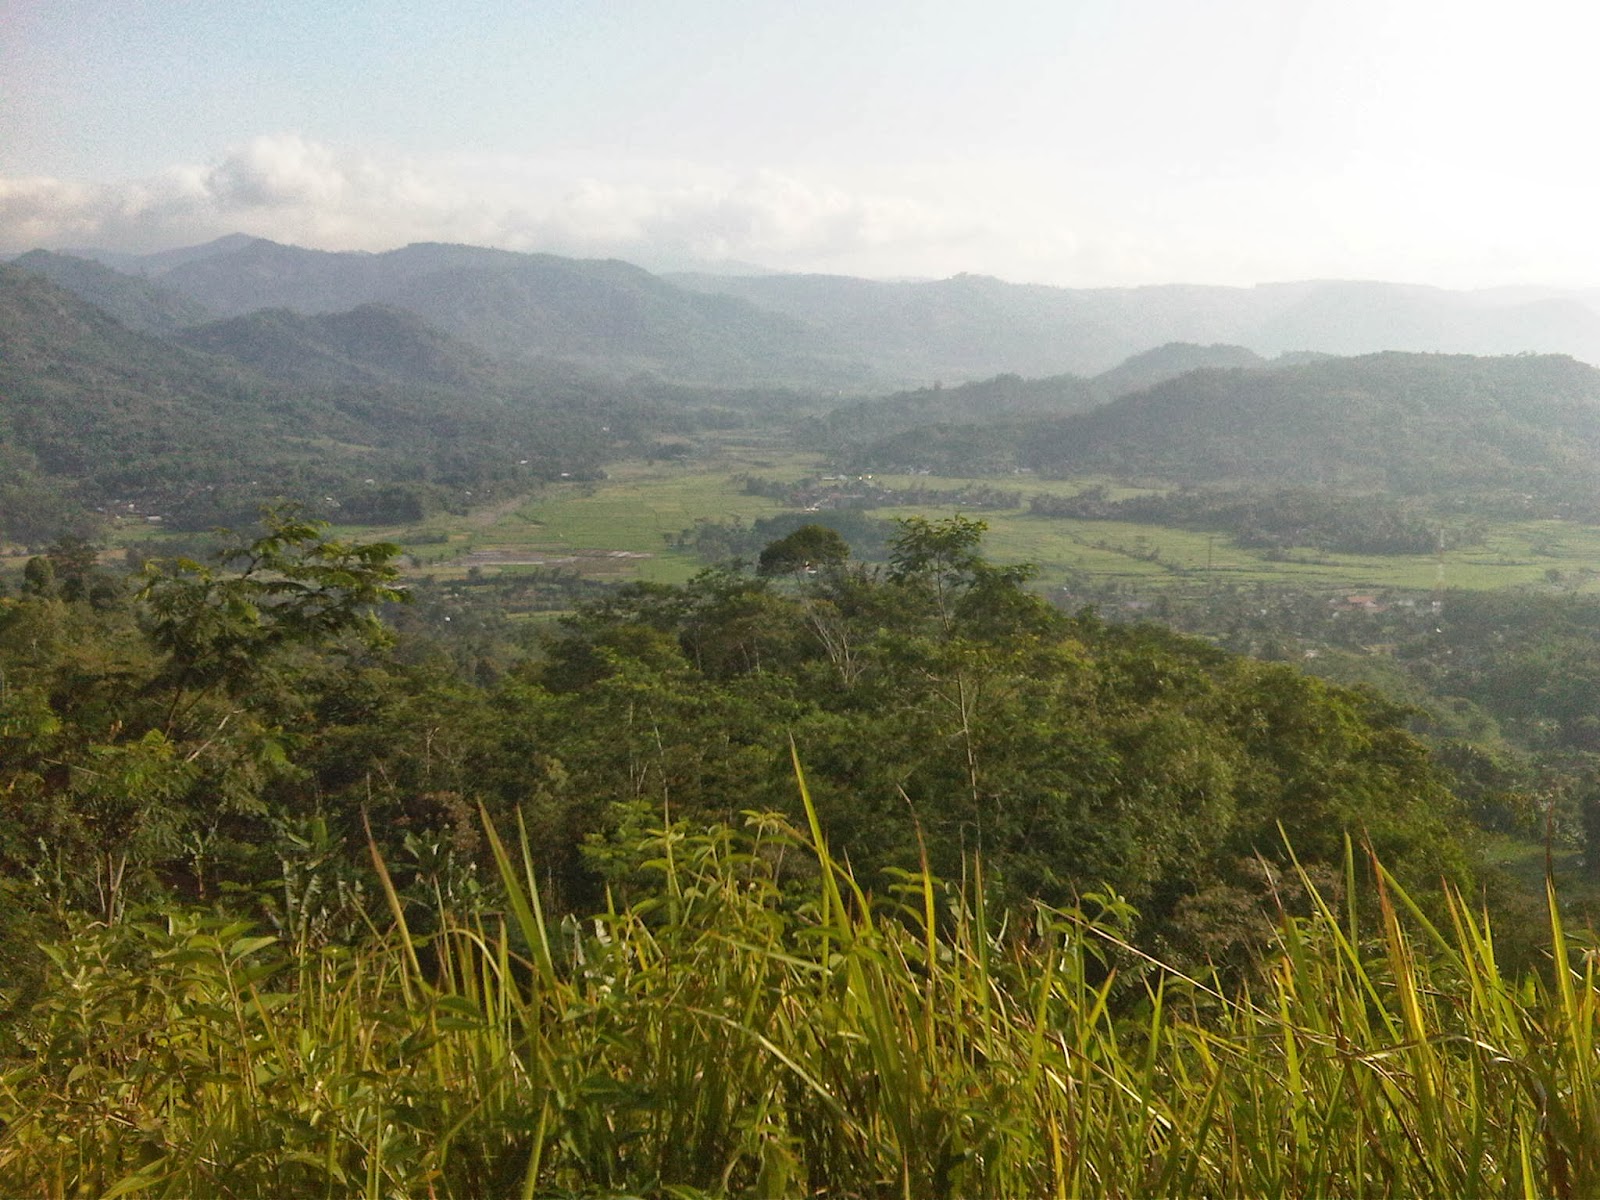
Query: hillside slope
[
  {"x": 137, "y": 302},
  {"x": 370, "y": 344},
  {"x": 1003, "y": 398},
  {"x": 1168, "y": 362},
  {"x": 1405, "y": 422},
  {"x": 604, "y": 315},
  {"x": 121, "y": 417}
]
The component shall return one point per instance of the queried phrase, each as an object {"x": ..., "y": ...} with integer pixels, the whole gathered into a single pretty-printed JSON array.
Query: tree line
[{"x": 200, "y": 734}]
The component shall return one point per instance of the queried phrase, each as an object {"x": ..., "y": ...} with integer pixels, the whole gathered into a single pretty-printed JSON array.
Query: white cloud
[
  {"x": 293, "y": 189},
  {"x": 1023, "y": 221},
  {"x": 44, "y": 211},
  {"x": 278, "y": 173},
  {"x": 766, "y": 216}
]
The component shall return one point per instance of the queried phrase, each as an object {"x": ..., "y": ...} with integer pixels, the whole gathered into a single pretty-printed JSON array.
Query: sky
[{"x": 1069, "y": 142}]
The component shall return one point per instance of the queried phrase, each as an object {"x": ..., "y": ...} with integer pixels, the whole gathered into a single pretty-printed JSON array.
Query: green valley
[{"x": 652, "y": 755}]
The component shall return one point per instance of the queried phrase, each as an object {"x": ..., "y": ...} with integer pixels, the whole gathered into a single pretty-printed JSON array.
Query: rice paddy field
[
  {"x": 623, "y": 527},
  {"x": 627, "y": 527}
]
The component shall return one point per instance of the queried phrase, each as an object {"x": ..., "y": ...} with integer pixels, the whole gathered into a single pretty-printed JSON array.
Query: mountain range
[
  {"x": 196, "y": 383},
  {"x": 825, "y": 333},
  {"x": 601, "y": 315},
  {"x": 973, "y": 326}
]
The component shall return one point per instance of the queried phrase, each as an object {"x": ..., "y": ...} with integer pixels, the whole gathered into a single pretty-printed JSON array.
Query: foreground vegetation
[
  {"x": 753, "y": 1022},
  {"x": 184, "y": 742},
  {"x": 286, "y": 950}
]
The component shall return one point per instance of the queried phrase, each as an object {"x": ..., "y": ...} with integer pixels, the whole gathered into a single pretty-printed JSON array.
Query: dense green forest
[
  {"x": 172, "y": 736},
  {"x": 125, "y": 420},
  {"x": 1500, "y": 683}
]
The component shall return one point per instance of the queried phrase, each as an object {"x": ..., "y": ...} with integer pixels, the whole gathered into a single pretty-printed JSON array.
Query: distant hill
[
  {"x": 973, "y": 326},
  {"x": 603, "y": 315},
  {"x": 835, "y": 334},
  {"x": 114, "y": 415},
  {"x": 1005, "y": 397},
  {"x": 137, "y": 302},
  {"x": 371, "y": 344},
  {"x": 1354, "y": 318},
  {"x": 1528, "y": 424},
  {"x": 165, "y": 260},
  {"x": 1407, "y": 422},
  {"x": 1168, "y": 362}
]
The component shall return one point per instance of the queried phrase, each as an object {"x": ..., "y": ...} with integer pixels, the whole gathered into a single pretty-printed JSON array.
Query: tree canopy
[{"x": 810, "y": 546}]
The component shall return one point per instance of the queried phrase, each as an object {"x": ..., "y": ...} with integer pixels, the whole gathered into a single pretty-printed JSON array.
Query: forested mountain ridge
[
  {"x": 1407, "y": 422},
  {"x": 1011, "y": 397},
  {"x": 111, "y": 414},
  {"x": 838, "y": 333},
  {"x": 160, "y": 261},
  {"x": 138, "y": 302},
  {"x": 1404, "y": 421},
  {"x": 74, "y": 378},
  {"x": 373, "y": 344},
  {"x": 606, "y": 315}
]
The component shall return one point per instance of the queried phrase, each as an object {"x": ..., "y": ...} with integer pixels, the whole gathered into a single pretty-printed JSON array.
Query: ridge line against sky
[{"x": 1073, "y": 142}]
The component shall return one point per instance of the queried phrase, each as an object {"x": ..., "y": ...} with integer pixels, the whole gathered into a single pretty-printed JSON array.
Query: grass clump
[{"x": 754, "y": 1022}]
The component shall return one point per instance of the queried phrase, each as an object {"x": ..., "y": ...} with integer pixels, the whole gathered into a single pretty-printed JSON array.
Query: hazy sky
[{"x": 1080, "y": 142}]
